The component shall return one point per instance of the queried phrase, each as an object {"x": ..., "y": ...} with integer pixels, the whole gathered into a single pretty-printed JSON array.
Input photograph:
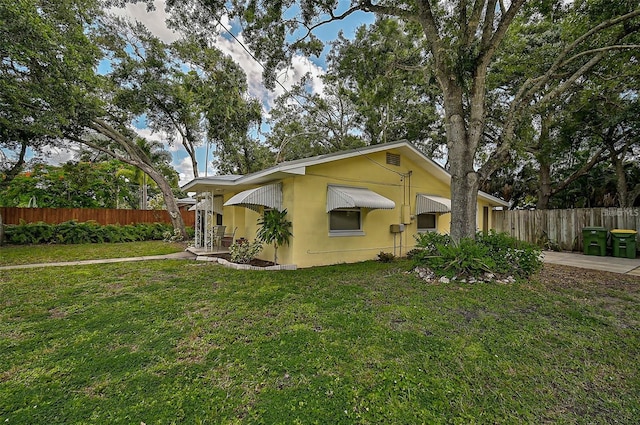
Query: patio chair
[
  {"x": 229, "y": 238},
  {"x": 218, "y": 234}
]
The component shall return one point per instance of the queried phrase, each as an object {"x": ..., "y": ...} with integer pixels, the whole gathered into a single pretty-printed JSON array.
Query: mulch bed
[{"x": 255, "y": 262}]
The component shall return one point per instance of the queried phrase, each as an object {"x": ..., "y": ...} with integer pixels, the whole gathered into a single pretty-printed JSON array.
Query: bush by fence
[
  {"x": 13, "y": 215},
  {"x": 72, "y": 232}
]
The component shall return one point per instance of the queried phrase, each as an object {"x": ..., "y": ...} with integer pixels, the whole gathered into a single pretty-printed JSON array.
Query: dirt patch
[
  {"x": 566, "y": 276},
  {"x": 55, "y": 313}
]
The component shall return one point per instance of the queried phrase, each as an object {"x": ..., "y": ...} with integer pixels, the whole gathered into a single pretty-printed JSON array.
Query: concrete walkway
[
  {"x": 593, "y": 262},
  {"x": 175, "y": 256}
]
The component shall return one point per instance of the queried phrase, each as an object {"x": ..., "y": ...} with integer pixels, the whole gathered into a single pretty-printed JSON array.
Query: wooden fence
[
  {"x": 11, "y": 215},
  {"x": 563, "y": 227}
]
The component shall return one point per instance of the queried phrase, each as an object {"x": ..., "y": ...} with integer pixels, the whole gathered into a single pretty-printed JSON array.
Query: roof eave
[{"x": 201, "y": 184}]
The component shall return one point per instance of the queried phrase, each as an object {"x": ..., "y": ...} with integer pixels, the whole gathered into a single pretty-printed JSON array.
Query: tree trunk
[
  {"x": 143, "y": 197},
  {"x": 464, "y": 200},
  {"x": 139, "y": 159},
  {"x": 544, "y": 149},
  {"x": 169, "y": 200},
  {"x": 13, "y": 172},
  {"x": 544, "y": 191},
  {"x": 464, "y": 180},
  {"x": 194, "y": 164},
  {"x": 1, "y": 230},
  {"x": 463, "y": 137},
  {"x": 621, "y": 180}
]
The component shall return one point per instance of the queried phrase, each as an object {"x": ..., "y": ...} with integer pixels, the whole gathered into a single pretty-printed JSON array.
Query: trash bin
[
  {"x": 594, "y": 241},
  {"x": 624, "y": 243}
]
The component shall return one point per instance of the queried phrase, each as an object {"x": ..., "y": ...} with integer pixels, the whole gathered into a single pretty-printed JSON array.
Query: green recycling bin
[
  {"x": 594, "y": 241},
  {"x": 624, "y": 243}
]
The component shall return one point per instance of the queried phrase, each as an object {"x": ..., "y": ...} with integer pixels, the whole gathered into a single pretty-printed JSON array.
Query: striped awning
[
  {"x": 356, "y": 197},
  {"x": 426, "y": 204},
  {"x": 269, "y": 196},
  {"x": 207, "y": 205}
]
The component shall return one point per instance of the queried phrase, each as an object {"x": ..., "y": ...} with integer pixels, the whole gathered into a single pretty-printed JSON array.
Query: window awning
[
  {"x": 269, "y": 196},
  {"x": 207, "y": 205},
  {"x": 356, "y": 197},
  {"x": 426, "y": 204}
]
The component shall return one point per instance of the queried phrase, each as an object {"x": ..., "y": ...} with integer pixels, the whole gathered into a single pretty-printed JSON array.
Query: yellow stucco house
[{"x": 345, "y": 207}]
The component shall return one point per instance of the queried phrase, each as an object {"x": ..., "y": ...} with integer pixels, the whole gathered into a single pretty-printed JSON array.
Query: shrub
[
  {"x": 274, "y": 229},
  {"x": 244, "y": 251},
  {"x": 511, "y": 255},
  {"x": 427, "y": 245},
  {"x": 430, "y": 240},
  {"x": 172, "y": 236},
  {"x": 72, "y": 232},
  {"x": 465, "y": 258},
  {"x": 28, "y": 233},
  {"x": 496, "y": 253},
  {"x": 386, "y": 257}
]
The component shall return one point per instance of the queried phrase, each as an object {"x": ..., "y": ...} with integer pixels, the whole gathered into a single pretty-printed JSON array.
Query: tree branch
[
  {"x": 12, "y": 172},
  {"x": 473, "y": 23},
  {"x": 531, "y": 86},
  {"x": 569, "y": 81},
  {"x": 487, "y": 26},
  {"x": 597, "y": 157},
  {"x": 368, "y": 6},
  {"x": 507, "y": 18},
  {"x": 599, "y": 50},
  {"x": 102, "y": 149}
]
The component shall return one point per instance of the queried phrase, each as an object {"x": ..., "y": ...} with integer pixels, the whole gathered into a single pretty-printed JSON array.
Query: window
[
  {"x": 345, "y": 222},
  {"x": 426, "y": 222}
]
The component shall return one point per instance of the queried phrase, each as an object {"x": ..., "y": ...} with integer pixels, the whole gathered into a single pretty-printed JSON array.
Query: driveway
[{"x": 593, "y": 262}]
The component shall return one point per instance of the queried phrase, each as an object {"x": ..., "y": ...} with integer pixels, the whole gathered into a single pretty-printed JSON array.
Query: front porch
[
  {"x": 211, "y": 235},
  {"x": 208, "y": 252}
]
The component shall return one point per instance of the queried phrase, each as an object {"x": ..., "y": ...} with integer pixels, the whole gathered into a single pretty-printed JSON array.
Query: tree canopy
[
  {"x": 47, "y": 68},
  {"x": 52, "y": 93}
]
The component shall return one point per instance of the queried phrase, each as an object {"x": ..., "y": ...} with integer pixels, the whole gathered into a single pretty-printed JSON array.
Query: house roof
[
  {"x": 186, "y": 201},
  {"x": 233, "y": 183}
]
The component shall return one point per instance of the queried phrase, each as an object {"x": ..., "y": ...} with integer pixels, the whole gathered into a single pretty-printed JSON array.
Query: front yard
[
  {"x": 185, "y": 342},
  {"x": 11, "y": 255}
]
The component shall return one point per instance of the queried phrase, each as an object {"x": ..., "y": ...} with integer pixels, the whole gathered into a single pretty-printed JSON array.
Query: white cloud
[
  {"x": 55, "y": 155},
  {"x": 147, "y": 134},
  {"x": 185, "y": 170},
  {"x": 154, "y": 20}
]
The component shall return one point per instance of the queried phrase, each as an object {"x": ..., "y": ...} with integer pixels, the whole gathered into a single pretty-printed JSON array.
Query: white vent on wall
[{"x": 393, "y": 159}]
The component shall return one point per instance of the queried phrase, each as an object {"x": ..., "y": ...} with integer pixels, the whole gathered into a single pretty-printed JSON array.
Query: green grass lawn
[
  {"x": 32, "y": 254},
  {"x": 188, "y": 342}
]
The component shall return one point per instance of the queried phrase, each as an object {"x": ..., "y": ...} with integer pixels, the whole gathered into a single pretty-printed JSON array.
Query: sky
[{"x": 155, "y": 22}]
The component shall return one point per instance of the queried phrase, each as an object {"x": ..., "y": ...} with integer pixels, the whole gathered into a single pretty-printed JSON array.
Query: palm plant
[{"x": 274, "y": 229}]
